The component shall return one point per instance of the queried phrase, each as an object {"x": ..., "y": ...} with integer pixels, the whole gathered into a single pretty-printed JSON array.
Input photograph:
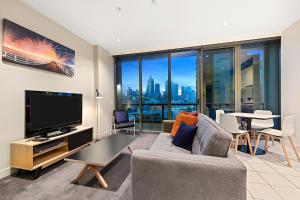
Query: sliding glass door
[
  {"x": 260, "y": 77},
  {"x": 218, "y": 80}
]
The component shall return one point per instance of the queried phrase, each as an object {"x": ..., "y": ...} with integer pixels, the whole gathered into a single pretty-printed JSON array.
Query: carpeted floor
[{"x": 55, "y": 182}]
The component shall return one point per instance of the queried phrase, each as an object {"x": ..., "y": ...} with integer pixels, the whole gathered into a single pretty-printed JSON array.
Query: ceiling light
[
  {"x": 155, "y": 2},
  {"x": 118, "y": 40},
  {"x": 225, "y": 23}
]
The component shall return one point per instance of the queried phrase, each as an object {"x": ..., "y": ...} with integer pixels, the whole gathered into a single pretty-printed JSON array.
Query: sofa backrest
[{"x": 211, "y": 139}]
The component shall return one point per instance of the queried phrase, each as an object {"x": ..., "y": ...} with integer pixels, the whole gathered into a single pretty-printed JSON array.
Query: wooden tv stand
[{"x": 23, "y": 157}]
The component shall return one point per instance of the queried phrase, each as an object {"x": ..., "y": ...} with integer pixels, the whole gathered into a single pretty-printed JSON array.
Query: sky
[{"x": 183, "y": 72}]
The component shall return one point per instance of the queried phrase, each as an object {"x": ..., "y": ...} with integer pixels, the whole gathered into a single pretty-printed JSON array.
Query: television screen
[{"x": 50, "y": 111}]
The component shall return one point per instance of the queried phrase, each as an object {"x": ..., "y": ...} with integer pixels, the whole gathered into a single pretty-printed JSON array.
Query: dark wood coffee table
[{"x": 101, "y": 154}]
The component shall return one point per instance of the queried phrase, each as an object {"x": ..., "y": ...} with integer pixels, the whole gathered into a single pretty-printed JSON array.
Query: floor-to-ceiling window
[
  {"x": 241, "y": 76},
  {"x": 183, "y": 82},
  {"x": 154, "y": 89},
  {"x": 260, "y": 79},
  {"x": 128, "y": 86},
  {"x": 218, "y": 80}
]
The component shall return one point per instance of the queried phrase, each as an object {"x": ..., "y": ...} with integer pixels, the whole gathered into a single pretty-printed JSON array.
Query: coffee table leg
[
  {"x": 129, "y": 149},
  {"x": 82, "y": 172},
  {"x": 98, "y": 176}
]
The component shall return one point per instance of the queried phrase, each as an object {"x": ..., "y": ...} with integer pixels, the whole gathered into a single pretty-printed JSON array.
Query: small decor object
[
  {"x": 25, "y": 47},
  {"x": 188, "y": 119},
  {"x": 185, "y": 136}
]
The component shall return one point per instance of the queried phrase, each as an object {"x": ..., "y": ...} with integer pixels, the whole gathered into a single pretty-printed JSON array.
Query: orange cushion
[
  {"x": 183, "y": 117},
  {"x": 191, "y": 113}
]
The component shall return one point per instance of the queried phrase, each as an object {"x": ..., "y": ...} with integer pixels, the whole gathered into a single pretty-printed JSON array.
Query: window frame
[{"x": 200, "y": 90}]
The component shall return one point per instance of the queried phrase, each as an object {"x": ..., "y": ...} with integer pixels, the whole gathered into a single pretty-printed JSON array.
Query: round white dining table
[{"x": 249, "y": 117}]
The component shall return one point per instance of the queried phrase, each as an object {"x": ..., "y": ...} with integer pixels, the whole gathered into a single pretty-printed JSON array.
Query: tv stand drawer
[{"x": 79, "y": 139}]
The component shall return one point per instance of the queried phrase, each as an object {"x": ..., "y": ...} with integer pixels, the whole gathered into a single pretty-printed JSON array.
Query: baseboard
[{"x": 5, "y": 172}]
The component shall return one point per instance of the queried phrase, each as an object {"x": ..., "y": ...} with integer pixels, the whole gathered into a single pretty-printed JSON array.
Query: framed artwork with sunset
[{"x": 25, "y": 47}]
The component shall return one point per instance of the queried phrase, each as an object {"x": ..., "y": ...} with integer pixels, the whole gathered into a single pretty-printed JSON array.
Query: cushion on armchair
[{"x": 121, "y": 116}]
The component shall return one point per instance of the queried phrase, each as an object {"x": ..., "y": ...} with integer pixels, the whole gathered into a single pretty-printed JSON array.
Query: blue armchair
[{"x": 121, "y": 121}]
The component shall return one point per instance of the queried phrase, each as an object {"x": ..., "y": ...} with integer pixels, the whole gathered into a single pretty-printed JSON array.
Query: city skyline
[
  {"x": 153, "y": 93},
  {"x": 182, "y": 67}
]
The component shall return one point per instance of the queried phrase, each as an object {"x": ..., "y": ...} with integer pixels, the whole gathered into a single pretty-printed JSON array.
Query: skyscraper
[
  {"x": 157, "y": 90},
  {"x": 186, "y": 90},
  {"x": 150, "y": 87},
  {"x": 174, "y": 91}
]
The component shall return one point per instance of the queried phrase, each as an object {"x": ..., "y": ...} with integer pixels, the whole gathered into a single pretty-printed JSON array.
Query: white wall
[
  {"x": 15, "y": 79},
  {"x": 290, "y": 72},
  {"x": 104, "y": 76}
]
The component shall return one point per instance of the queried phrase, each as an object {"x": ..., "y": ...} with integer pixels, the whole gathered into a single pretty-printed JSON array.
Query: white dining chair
[
  {"x": 230, "y": 123},
  {"x": 258, "y": 124},
  {"x": 218, "y": 113},
  {"x": 287, "y": 131}
]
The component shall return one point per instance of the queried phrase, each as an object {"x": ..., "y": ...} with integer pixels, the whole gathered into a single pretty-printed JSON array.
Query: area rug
[
  {"x": 55, "y": 181},
  {"x": 118, "y": 170},
  {"x": 114, "y": 174}
]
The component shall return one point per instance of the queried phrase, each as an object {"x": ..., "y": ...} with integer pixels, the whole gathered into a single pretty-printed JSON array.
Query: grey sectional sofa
[{"x": 209, "y": 172}]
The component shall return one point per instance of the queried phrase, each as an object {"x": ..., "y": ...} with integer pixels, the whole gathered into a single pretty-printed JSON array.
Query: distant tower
[
  {"x": 150, "y": 87},
  {"x": 157, "y": 90},
  {"x": 174, "y": 91},
  {"x": 183, "y": 91},
  {"x": 167, "y": 89},
  {"x": 186, "y": 93}
]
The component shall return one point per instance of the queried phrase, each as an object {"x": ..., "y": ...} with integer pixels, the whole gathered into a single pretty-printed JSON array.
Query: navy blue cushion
[
  {"x": 121, "y": 117},
  {"x": 185, "y": 136}
]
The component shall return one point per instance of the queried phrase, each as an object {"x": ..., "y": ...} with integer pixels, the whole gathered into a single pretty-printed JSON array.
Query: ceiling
[{"x": 131, "y": 26}]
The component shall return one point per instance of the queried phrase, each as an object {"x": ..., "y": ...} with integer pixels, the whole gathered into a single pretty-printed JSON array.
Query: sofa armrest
[
  {"x": 167, "y": 125},
  {"x": 161, "y": 175}
]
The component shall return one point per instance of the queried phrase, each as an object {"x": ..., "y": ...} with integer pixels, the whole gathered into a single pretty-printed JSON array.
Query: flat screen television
[{"x": 47, "y": 112}]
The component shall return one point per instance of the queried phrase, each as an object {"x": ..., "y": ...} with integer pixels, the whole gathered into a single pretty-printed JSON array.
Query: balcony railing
[{"x": 157, "y": 112}]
